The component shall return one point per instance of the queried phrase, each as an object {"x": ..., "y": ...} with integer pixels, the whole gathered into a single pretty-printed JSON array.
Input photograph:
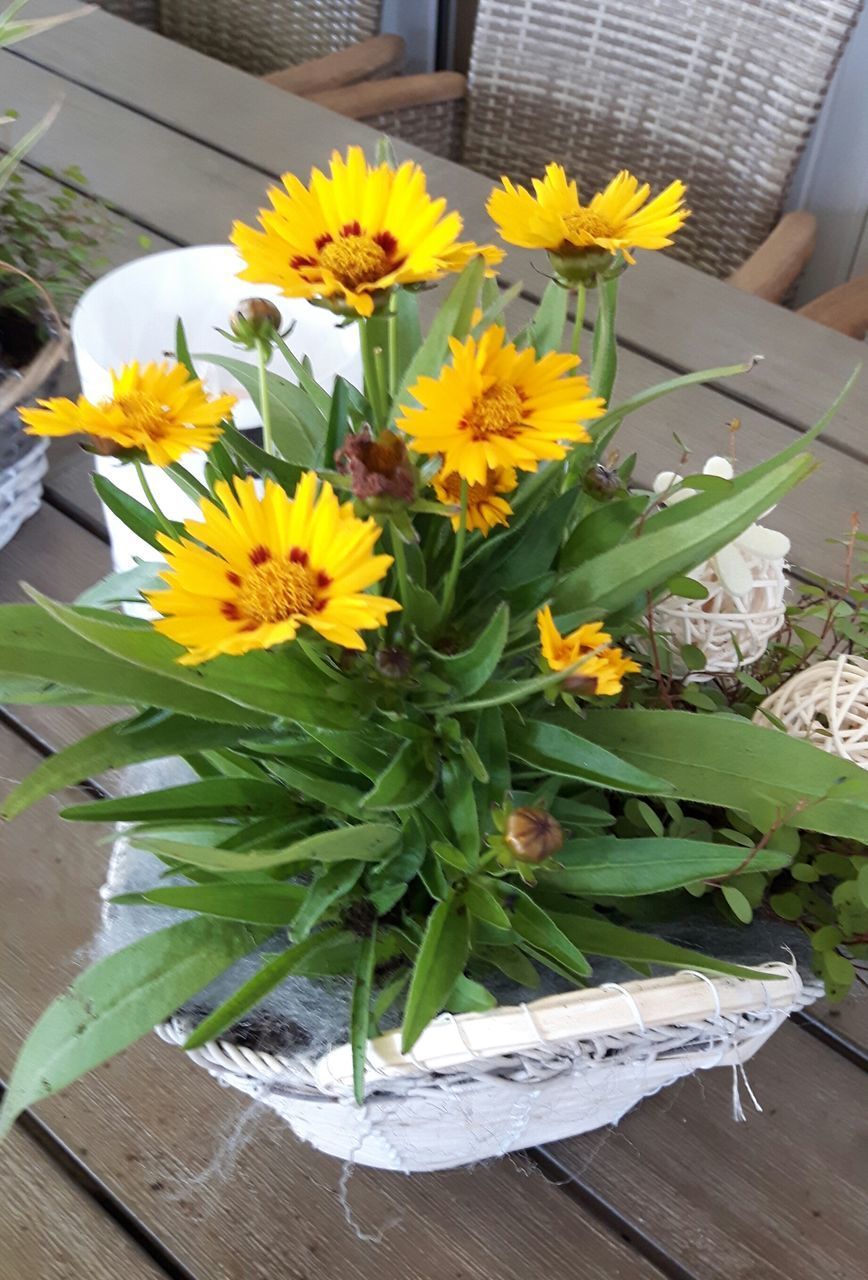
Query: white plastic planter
[{"x": 131, "y": 314}]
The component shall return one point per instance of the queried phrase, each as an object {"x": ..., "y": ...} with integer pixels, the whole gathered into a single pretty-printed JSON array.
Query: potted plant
[
  {"x": 50, "y": 248},
  {"x": 437, "y": 751}
]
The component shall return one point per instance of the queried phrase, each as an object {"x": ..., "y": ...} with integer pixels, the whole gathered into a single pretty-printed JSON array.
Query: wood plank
[
  {"x": 53, "y": 1231},
  {"x": 154, "y": 1130},
  {"x": 668, "y": 309},
  {"x": 782, "y": 1197}
]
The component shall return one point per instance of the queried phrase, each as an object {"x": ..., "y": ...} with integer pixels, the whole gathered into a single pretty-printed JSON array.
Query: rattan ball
[
  {"x": 828, "y": 705},
  {"x": 732, "y": 630}
]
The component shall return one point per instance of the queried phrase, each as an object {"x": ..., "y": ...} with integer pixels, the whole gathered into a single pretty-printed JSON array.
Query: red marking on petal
[
  {"x": 351, "y": 228},
  {"x": 234, "y": 578},
  {"x": 298, "y": 556},
  {"x": 323, "y": 580},
  {"x": 260, "y": 555},
  {"x": 387, "y": 242},
  {"x": 322, "y": 241},
  {"x": 230, "y": 611},
  {"x": 297, "y": 263}
]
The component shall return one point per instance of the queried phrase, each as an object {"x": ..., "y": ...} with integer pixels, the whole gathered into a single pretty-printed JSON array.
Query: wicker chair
[
  {"x": 274, "y": 36},
  {"x": 722, "y": 93}
]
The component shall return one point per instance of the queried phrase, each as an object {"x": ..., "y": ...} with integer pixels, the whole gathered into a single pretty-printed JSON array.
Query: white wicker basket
[
  {"x": 23, "y": 463},
  {"x": 480, "y": 1085}
]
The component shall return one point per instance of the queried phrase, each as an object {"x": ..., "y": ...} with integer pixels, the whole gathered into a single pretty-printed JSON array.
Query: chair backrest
[
  {"x": 257, "y": 35},
  {"x": 721, "y": 93}
]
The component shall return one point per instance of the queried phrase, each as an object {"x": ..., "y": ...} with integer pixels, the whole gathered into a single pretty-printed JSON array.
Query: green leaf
[
  {"x": 614, "y": 579},
  {"x": 365, "y": 842},
  {"x": 461, "y": 803},
  {"x": 221, "y": 798},
  {"x": 330, "y": 886},
  {"x": 555, "y": 748},
  {"x": 439, "y": 963},
  {"x": 469, "y": 671},
  {"x": 254, "y": 902},
  {"x": 138, "y": 518},
  {"x": 112, "y": 748},
  {"x": 452, "y": 320},
  {"x": 33, "y": 644},
  {"x": 599, "y": 937},
  {"x": 360, "y": 1014},
  {"x": 537, "y": 928},
  {"x": 404, "y": 782},
  {"x": 727, "y": 761},
  {"x": 116, "y": 1001},
  {"x": 251, "y": 993},
  {"x": 483, "y": 905},
  {"x": 686, "y": 588},
  {"x": 278, "y": 683},
  {"x": 408, "y": 333},
  {"x": 469, "y": 996},
  {"x": 328, "y": 786},
  {"x": 603, "y": 528},
  {"x": 298, "y": 426},
  {"x": 693, "y": 657},
  {"x": 258, "y": 461},
  {"x": 737, "y": 903},
  {"x": 607, "y": 866},
  {"x": 121, "y": 588},
  {"x": 547, "y": 326},
  {"x": 521, "y": 554}
]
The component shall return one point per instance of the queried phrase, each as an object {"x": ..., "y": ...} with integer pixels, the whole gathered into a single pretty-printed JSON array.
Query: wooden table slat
[
  {"x": 51, "y": 1230},
  {"x": 662, "y": 300}
]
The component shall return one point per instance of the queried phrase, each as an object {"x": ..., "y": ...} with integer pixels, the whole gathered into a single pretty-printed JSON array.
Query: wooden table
[{"x": 128, "y": 1171}]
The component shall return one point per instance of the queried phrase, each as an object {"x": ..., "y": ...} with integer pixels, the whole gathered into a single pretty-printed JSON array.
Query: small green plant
[{"x": 56, "y": 237}]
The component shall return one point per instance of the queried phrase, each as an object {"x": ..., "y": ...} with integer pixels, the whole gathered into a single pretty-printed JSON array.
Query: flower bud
[
  {"x": 379, "y": 468},
  {"x": 255, "y": 320},
  {"x": 602, "y": 482},
  {"x": 533, "y": 835},
  {"x": 393, "y": 663},
  {"x": 573, "y": 266}
]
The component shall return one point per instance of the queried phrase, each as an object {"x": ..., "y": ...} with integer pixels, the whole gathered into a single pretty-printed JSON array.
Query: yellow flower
[
  {"x": 159, "y": 409},
  {"x": 247, "y": 576},
  {"x": 354, "y": 234},
  {"x": 484, "y": 508},
  {"x": 617, "y": 218},
  {"x": 495, "y": 406},
  {"x": 602, "y": 674}
]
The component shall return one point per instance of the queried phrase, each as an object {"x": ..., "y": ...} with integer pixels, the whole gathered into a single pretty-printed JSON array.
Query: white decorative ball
[
  {"x": 731, "y": 630},
  {"x": 746, "y": 584},
  {"x": 828, "y": 705}
]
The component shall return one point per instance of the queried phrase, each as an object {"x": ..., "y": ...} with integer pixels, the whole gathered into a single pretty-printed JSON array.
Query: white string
[{"x": 637, "y": 1012}]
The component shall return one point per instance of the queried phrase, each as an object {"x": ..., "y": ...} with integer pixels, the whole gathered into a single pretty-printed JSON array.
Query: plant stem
[
  {"x": 263, "y": 351},
  {"x": 374, "y": 388},
  {"x": 604, "y": 360},
  {"x": 400, "y": 563},
  {"x": 392, "y": 340},
  {"x": 457, "y": 556},
  {"x": 579, "y": 322},
  {"x": 167, "y": 525}
]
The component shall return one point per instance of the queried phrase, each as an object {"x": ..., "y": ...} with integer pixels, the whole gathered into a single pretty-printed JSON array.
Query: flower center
[
  {"x": 277, "y": 590},
  {"x": 145, "y": 413},
  {"x": 497, "y": 412},
  {"x": 355, "y": 259},
  {"x": 584, "y": 228},
  {"x": 476, "y": 492}
]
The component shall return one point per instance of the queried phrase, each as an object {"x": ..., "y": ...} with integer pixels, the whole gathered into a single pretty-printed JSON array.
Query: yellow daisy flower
[
  {"x": 602, "y": 674},
  {"x": 497, "y": 407},
  {"x": 485, "y": 508},
  {"x": 251, "y": 572},
  {"x": 619, "y": 218},
  {"x": 355, "y": 234},
  {"x": 159, "y": 409}
]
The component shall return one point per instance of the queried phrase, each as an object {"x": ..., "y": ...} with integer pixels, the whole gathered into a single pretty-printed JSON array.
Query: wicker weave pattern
[
  {"x": 145, "y": 13},
  {"x": 722, "y": 93},
  {"x": 436, "y": 126},
  {"x": 262, "y": 35}
]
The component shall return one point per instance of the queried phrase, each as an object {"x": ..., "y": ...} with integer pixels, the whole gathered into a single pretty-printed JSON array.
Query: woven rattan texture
[
  {"x": 256, "y": 35},
  {"x": 145, "y": 13},
  {"x": 721, "y": 93},
  {"x": 436, "y": 126},
  {"x": 263, "y": 35}
]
